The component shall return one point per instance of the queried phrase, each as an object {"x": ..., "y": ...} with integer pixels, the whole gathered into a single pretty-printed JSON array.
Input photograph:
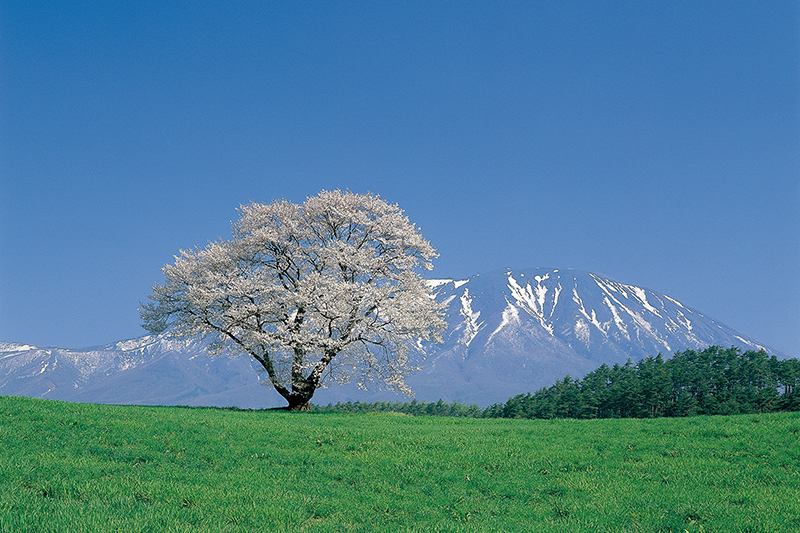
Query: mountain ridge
[{"x": 509, "y": 332}]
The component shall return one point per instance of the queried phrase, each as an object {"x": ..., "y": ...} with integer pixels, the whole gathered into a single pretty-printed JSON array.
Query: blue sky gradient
[{"x": 655, "y": 143}]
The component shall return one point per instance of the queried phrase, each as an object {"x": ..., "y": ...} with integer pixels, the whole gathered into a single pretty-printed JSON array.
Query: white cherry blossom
[{"x": 326, "y": 290}]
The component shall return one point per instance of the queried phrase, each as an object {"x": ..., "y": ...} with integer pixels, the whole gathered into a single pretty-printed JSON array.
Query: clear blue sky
[{"x": 657, "y": 143}]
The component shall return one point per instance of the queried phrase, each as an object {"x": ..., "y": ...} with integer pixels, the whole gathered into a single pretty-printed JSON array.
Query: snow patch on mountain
[
  {"x": 510, "y": 316},
  {"x": 532, "y": 299},
  {"x": 618, "y": 321},
  {"x": 584, "y": 332},
  {"x": 684, "y": 320},
  {"x": 641, "y": 295},
  {"x": 436, "y": 283},
  {"x": 750, "y": 343},
  {"x": 676, "y": 302},
  {"x": 14, "y": 347},
  {"x": 471, "y": 324}
]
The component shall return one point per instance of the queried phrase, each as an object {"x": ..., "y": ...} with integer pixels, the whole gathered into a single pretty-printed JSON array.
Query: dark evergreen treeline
[
  {"x": 712, "y": 381},
  {"x": 415, "y": 408}
]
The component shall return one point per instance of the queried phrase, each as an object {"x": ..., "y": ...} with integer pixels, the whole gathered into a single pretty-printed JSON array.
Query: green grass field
[{"x": 83, "y": 468}]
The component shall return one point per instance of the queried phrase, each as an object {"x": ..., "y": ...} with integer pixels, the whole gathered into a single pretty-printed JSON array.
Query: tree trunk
[
  {"x": 303, "y": 390},
  {"x": 298, "y": 401},
  {"x": 298, "y": 407}
]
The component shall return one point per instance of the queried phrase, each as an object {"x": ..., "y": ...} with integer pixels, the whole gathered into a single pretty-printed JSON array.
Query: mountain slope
[
  {"x": 150, "y": 370},
  {"x": 513, "y": 332},
  {"x": 509, "y": 332}
]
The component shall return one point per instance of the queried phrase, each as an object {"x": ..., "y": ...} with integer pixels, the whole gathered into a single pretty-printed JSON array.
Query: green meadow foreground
[{"x": 82, "y": 468}]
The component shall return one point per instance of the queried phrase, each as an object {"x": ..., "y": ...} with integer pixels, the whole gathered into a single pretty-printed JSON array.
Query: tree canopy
[{"x": 329, "y": 289}]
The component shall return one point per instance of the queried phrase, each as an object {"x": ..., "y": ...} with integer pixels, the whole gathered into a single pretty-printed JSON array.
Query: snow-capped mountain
[
  {"x": 517, "y": 331},
  {"x": 509, "y": 332},
  {"x": 150, "y": 370}
]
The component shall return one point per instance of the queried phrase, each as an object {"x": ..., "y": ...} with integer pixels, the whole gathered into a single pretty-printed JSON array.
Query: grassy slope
[{"x": 79, "y": 467}]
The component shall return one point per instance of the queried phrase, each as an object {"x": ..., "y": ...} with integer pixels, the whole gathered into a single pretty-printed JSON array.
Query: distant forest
[{"x": 715, "y": 381}]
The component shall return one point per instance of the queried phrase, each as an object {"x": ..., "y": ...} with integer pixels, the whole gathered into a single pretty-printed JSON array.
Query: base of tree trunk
[{"x": 299, "y": 407}]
